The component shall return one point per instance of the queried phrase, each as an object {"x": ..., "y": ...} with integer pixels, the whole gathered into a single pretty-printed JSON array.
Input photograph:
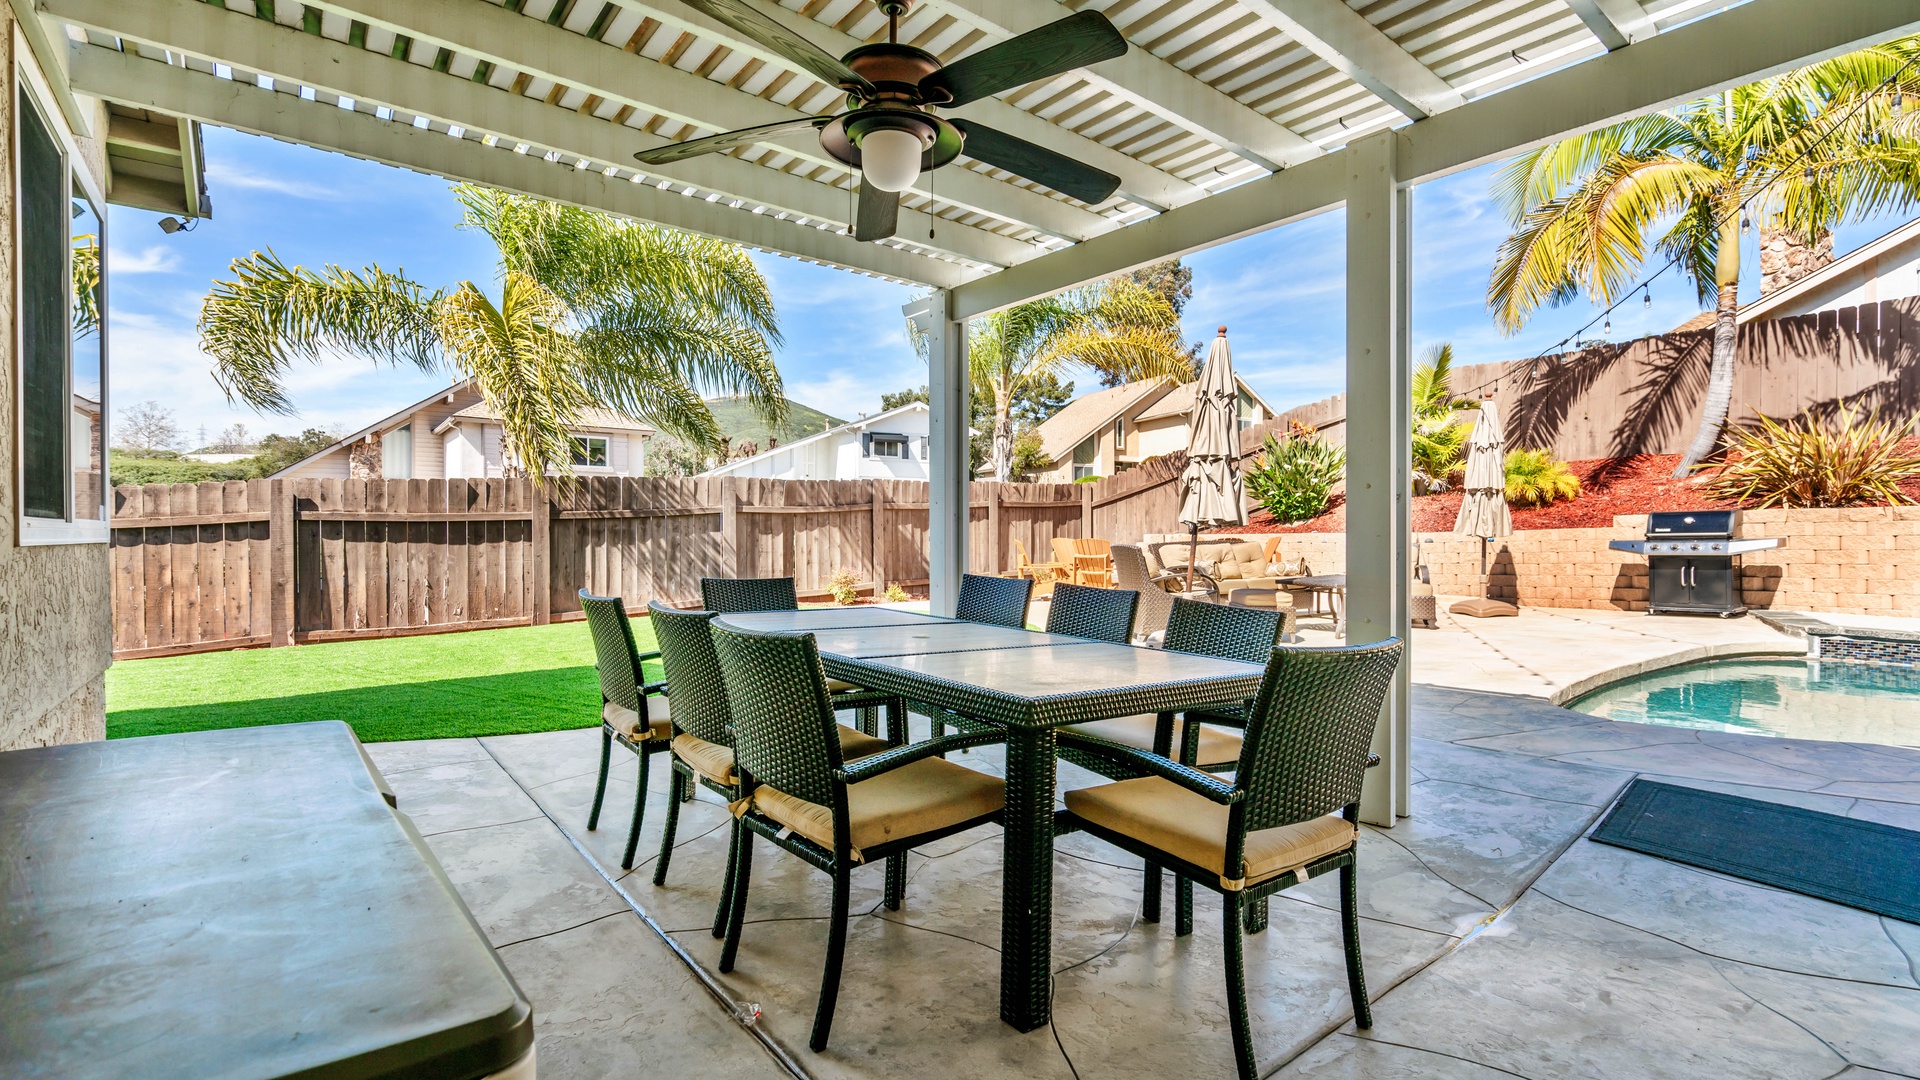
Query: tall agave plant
[{"x": 1807, "y": 462}]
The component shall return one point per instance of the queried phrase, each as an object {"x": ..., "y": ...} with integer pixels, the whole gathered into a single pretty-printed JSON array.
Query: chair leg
[
  {"x": 897, "y": 722},
  {"x": 677, "y": 782},
  {"x": 639, "y": 811},
  {"x": 737, "y": 907},
  {"x": 1257, "y": 915},
  {"x": 1350, "y": 934},
  {"x": 896, "y": 881},
  {"x": 1150, "y": 895},
  {"x": 867, "y": 720},
  {"x": 720, "y": 914},
  {"x": 600, "y": 790},
  {"x": 1236, "y": 967},
  {"x": 1182, "y": 906},
  {"x": 836, "y": 953}
]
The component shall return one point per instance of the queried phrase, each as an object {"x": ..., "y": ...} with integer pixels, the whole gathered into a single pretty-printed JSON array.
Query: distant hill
[{"x": 737, "y": 419}]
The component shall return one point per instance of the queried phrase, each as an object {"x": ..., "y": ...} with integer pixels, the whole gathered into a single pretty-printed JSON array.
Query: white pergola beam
[
  {"x": 1617, "y": 23},
  {"x": 504, "y": 38},
  {"x": 1151, "y": 83},
  {"x": 1355, "y": 48},
  {"x": 1139, "y": 182},
  {"x": 283, "y": 53},
  {"x": 130, "y": 80},
  {"x": 1750, "y": 42}
]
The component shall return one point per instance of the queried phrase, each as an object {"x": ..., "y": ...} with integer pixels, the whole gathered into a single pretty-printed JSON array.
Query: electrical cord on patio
[
  {"x": 1739, "y": 208},
  {"x": 1053, "y": 986}
]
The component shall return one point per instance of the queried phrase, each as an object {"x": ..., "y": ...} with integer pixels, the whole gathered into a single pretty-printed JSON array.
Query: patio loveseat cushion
[
  {"x": 627, "y": 722},
  {"x": 1193, "y": 828},
  {"x": 914, "y": 799},
  {"x": 715, "y": 762}
]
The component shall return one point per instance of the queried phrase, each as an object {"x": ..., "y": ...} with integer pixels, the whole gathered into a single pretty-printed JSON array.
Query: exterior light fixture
[
  {"x": 1646, "y": 298},
  {"x": 890, "y": 155},
  {"x": 171, "y": 225}
]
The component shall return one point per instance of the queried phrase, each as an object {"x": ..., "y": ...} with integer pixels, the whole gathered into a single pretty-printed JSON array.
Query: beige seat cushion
[
  {"x": 840, "y": 686},
  {"x": 627, "y": 722},
  {"x": 1215, "y": 745},
  {"x": 1191, "y": 827},
  {"x": 715, "y": 762},
  {"x": 912, "y": 800}
]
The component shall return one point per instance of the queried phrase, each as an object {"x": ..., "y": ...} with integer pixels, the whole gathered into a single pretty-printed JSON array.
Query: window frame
[
  {"x": 879, "y": 439},
  {"x": 31, "y": 90},
  {"x": 583, "y": 441}
]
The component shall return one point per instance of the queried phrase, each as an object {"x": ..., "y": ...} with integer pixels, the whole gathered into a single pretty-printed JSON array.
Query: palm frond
[{"x": 526, "y": 367}]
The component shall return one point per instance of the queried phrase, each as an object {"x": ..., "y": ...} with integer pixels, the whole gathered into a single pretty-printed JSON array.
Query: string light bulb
[
  {"x": 1606, "y": 328},
  {"x": 1646, "y": 298}
]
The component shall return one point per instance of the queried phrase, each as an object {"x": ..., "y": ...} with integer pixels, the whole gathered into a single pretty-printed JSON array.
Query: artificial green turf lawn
[{"x": 480, "y": 682}]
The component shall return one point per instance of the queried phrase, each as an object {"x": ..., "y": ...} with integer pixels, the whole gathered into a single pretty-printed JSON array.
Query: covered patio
[{"x": 1497, "y": 941}]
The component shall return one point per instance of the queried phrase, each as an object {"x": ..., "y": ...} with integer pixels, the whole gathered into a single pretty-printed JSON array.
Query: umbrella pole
[
  {"x": 1484, "y": 583},
  {"x": 1193, "y": 552}
]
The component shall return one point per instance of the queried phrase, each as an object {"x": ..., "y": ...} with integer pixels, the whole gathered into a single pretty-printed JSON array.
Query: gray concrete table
[
  {"x": 1030, "y": 684},
  {"x": 235, "y": 904}
]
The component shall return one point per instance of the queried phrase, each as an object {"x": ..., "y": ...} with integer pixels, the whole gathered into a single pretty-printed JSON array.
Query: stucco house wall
[
  {"x": 56, "y": 635},
  {"x": 843, "y": 453}
]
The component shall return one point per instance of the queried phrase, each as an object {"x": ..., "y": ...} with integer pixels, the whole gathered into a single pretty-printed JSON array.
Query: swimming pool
[{"x": 1789, "y": 697}]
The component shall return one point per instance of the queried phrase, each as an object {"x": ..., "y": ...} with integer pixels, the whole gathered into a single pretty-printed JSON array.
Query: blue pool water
[{"x": 1788, "y": 697}]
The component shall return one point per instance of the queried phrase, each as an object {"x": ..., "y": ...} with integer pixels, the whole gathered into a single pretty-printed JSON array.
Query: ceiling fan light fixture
[{"x": 890, "y": 156}]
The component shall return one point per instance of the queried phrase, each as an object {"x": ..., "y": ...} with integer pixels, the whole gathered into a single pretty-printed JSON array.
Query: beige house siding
[{"x": 55, "y": 631}]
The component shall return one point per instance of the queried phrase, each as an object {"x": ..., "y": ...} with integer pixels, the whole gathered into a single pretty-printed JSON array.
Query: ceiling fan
[{"x": 890, "y": 131}]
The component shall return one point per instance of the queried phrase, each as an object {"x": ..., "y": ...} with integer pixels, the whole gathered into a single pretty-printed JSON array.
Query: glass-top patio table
[{"x": 1029, "y": 683}]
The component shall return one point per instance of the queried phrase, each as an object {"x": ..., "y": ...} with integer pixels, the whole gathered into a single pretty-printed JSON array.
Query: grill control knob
[{"x": 1696, "y": 547}]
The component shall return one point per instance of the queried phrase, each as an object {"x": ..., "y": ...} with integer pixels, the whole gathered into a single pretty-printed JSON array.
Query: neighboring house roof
[
  {"x": 1089, "y": 413},
  {"x": 380, "y": 425},
  {"x": 861, "y": 424},
  {"x": 1179, "y": 400},
  {"x": 1769, "y": 306},
  {"x": 589, "y": 418}
]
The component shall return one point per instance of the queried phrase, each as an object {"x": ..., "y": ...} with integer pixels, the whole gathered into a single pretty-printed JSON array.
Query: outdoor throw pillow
[{"x": 1288, "y": 568}]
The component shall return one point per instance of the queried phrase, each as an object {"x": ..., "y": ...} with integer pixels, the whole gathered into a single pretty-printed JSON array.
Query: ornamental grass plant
[
  {"x": 1809, "y": 462},
  {"x": 1293, "y": 477},
  {"x": 1537, "y": 478}
]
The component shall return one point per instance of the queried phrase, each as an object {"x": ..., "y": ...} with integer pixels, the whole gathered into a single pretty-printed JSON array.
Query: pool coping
[{"x": 1588, "y": 684}]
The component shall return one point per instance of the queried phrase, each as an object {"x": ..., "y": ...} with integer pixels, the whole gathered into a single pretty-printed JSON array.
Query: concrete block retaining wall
[{"x": 1856, "y": 560}]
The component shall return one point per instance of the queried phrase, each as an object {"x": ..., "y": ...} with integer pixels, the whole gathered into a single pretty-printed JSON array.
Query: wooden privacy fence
[{"x": 277, "y": 562}]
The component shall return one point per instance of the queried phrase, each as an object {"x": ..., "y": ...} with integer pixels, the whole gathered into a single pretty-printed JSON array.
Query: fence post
[
  {"x": 1086, "y": 509},
  {"x": 876, "y": 548},
  {"x": 541, "y": 572},
  {"x": 730, "y": 525},
  {"x": 993, "y": 529},
  {"x": 280, "y": 541}
]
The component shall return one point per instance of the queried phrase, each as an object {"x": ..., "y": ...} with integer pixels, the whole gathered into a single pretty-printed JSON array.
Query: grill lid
[{"x": 1687, "y": 524}]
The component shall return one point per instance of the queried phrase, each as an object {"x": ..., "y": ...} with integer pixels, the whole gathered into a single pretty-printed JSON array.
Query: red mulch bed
[{"x": 1608, "y": 487}]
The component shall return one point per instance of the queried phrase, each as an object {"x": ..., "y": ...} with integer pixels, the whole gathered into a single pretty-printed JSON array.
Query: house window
[
  {"x": 1119, "y": 434},
  {"x": 61, "y": 298},
  {"x": 396, "y": 453},
  {"x": 888, "y": 446},
  {"x": 1085, "y": 457},
  {"x": 590, "y": 451},
  {"x": 1247, "y": 410}
]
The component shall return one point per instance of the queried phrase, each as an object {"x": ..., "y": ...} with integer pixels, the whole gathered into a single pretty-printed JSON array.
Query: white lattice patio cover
[
  {"x": 1484, "y": 510},
  {"x": 1210, "y": 485}
]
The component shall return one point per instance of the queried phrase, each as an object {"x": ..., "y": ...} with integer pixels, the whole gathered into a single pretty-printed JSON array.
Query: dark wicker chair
[
  {"x": 1307, "y": 740},
  {"x": 996, "y": 600},
  {"x": 799, "y": 793},
  {"x": 703, "y": 727},
  {"x": 732, "y": 596},
  {"x": 632, "y": 711},
  {"x": 1084, "y": 611},
  {"x": 1204, "y": 629}
]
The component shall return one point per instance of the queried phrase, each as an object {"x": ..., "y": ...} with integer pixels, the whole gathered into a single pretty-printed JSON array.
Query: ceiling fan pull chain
[{"x": 931, "y": 216}]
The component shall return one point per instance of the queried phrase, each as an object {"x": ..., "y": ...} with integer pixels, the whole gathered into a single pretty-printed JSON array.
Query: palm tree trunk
[
  {"x": 1002, "y": 457},
  {"x": 1726, "y": 273}
]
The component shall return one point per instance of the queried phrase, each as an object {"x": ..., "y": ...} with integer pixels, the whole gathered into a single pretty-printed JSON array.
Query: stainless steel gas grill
[{"x": 1693, "y": 561}]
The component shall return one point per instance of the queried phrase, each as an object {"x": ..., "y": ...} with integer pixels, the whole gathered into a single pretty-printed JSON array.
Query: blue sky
[{"x": 1279, "y": 293}]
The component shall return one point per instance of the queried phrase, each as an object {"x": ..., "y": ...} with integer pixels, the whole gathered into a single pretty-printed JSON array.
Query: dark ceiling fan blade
[
  {"x": 713, "y": 144},
  {"x": 879, "y": 213},
  {"x": 1080, "y": 39},
  {"x": 1037, "y": 163},
  {"x": 818, "y": 62}
]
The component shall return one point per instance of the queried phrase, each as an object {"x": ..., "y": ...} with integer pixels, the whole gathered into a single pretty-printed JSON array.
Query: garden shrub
[
  {"x": 844, "y": 587},
  {"x": 1536, "y": 478},
  {"x": 1808, "y": 462},
  {"x": 1293, "y": 478}
]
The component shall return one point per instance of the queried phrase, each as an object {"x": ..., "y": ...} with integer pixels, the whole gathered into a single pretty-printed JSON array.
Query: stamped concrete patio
[{"x": 1499, "y": 942}]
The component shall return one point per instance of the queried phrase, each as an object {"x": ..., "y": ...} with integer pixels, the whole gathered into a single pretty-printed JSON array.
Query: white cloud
[
  {"x": 152, "y": 260},
  {"x": 222, "y": 172}
]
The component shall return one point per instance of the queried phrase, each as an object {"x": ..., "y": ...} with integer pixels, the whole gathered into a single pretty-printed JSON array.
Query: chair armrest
[
  {"x": 852, "y": 699},
  {"x": 654, "y": 688},
  {"x": 1372, "y": 760},
  {"x": 654, "y": 655},
  {"x": 1203, "y": 784},
  {"x": 886, "y": 761}
]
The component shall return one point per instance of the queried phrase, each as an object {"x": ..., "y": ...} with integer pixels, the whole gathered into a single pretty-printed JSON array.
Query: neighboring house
[
  {"x": 885, "y": 446},
  {"x": 1112, "y": 430},
  {"x": 1884, "y": 269},
  {"x": 453, "y": 434}
]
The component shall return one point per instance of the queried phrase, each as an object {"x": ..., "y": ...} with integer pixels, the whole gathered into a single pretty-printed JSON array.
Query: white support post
[
  {"x": 949, "y": 469},
  {"x": 1379, "y": 444}
]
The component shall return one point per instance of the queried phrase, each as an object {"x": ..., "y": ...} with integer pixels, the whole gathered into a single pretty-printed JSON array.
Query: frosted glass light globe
[{"x": 890, "y": 158}]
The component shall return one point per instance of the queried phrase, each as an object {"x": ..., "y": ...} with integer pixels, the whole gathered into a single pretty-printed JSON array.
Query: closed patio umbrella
[
  {"x": 1210, "y": 484},
  {"x": 1483, "y": 512}
]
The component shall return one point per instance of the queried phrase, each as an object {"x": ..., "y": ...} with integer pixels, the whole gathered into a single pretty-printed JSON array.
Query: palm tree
[
  {"x": 592, "y": 312},
  {"x": 1113, "y": 326},
  {"x": 1439, "y": 434},
  {"x": 1805, "y": 151}
]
